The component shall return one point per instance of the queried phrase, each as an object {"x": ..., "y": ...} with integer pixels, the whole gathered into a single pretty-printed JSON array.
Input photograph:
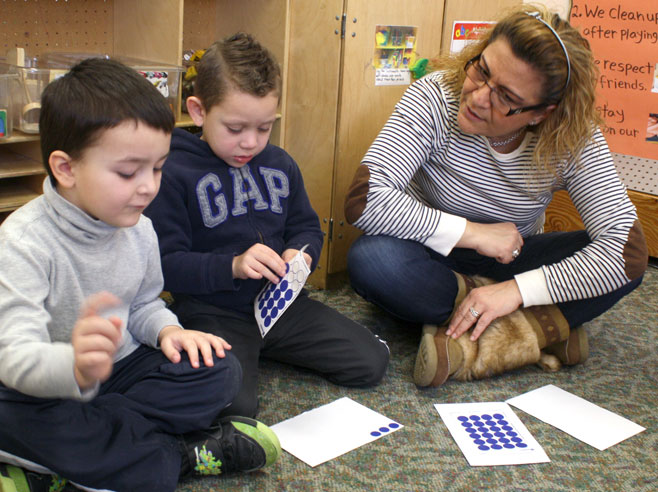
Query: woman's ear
[
  {"x": 195, "y": 110},
  {"x": 60, "y": 164},
  {"x": 543, "y": 114}
]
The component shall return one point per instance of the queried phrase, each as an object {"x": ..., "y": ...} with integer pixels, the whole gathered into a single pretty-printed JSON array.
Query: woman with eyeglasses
[{"x": 452, "y": 193}]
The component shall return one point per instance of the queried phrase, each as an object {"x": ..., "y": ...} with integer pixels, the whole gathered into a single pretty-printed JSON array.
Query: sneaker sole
[
  {"x": 427, "y": 359},
  {"x": 7, "y": 485},
  {"x": 260, "y": 433},
  {"x": 14, "y": 480}
]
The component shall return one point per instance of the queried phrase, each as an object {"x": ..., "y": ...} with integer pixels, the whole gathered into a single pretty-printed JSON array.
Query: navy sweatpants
[
  {"x": 309, "y": 335},
  {"x": 126, "y": 438}
]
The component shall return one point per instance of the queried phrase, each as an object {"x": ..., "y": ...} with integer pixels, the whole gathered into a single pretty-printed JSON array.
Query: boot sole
[{"x": 427, "y": 359}]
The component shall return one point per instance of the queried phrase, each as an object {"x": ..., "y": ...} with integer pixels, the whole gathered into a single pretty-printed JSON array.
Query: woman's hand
[
  {"x": 501, "y": 241},
  {"x": 488, "y": 303}
]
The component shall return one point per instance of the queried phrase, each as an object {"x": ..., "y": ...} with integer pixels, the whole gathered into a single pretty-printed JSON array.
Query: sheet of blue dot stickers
[
  {"x": 490, "y": 433},
  {"x": 274, "y": 299},
  {"x": 331, "y": 430}
]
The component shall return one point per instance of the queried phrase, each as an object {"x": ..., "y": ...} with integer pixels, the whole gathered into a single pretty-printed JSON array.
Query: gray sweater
[{"x": 52, "y": 257}]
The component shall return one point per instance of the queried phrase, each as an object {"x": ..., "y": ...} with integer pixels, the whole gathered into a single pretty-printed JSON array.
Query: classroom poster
[
  {"x": 395, "y": 54},
  {"x": 464, "y": 32},
  {"x": 623, "y": 35}
]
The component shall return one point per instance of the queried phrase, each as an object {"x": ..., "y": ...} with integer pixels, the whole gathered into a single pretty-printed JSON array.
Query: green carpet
[{"x": 620, "y": 375}]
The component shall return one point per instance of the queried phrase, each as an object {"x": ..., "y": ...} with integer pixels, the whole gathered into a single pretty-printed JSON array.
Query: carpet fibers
[{"x": 620, "y": 375}]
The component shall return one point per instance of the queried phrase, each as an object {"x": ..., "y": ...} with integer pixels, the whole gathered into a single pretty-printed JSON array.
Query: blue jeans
[{"x": 416, "y": 284}]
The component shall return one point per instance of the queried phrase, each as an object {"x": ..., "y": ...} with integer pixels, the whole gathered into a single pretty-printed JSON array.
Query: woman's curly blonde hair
[{"x": 568, "y": 128}]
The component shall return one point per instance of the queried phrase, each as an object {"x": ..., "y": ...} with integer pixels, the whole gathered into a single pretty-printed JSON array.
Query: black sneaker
[
  {"x": 15, "y": 479},
  {"x": 234, "y": 444}
]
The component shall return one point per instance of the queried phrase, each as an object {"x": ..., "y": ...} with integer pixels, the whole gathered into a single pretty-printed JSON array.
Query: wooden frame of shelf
[{"x": 21, "y": 174}]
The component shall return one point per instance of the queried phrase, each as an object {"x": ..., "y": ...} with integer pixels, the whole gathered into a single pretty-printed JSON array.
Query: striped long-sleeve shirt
[{"x": 423, "y": 178}]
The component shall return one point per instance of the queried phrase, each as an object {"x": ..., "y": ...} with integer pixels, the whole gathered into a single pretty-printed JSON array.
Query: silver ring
[
  {"x": 474, "y": 313},
  {"x": 516, "y": 252}
]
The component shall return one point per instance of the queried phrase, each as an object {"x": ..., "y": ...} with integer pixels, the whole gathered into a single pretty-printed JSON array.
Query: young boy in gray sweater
[{"x": 99, "y": 383}]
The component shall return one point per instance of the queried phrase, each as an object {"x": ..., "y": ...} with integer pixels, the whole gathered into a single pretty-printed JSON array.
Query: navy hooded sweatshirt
[{"x": 208, "y": 212}]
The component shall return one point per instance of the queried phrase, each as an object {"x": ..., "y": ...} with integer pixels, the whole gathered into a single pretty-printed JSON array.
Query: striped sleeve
[
  {"x": 618, "y": 251},
  {"x": 378, "y": 201}
]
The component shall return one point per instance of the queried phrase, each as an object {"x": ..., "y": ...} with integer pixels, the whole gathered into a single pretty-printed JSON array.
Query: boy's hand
[
  {"x": 173, "y": 339},
  {"x": 257, "y": 262},
  {"x": 95, "y": 340},
  {"x": 289, "y": 254}
]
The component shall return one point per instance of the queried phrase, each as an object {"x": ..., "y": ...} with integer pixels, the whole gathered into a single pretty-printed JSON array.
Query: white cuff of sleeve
[
  {"x": 450, "y": 230},
  {"x": 533, "y": 288}
]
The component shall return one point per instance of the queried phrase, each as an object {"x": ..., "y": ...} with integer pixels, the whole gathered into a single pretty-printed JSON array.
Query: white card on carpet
[
  {"x": 576, "y": 416},
  {"x": 490, "y": 433},
  {"x": 274, "y": 299},
  {"x": 329, "y": 431}
]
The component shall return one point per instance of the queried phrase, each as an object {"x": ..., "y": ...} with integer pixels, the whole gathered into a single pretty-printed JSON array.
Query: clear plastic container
[
  {"x": 32, "y": 80},
  {"x": 8, "y": 103},
  {"x": 165, "y": 77}
]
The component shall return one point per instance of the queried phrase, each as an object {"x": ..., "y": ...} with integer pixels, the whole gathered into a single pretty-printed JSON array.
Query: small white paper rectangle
[
  {"x": 580, "y": 418},
  {"x": 331, "y": 430},
  {"x": 490, "y": 434},
  {"x": 392, "y": 76}
]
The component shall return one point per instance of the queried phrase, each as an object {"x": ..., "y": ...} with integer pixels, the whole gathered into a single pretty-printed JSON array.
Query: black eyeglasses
[{"x": 499, "y": 100}]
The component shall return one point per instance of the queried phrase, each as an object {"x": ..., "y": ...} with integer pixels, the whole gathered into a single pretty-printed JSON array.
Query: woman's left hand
[{"x": 483, "y": 305}]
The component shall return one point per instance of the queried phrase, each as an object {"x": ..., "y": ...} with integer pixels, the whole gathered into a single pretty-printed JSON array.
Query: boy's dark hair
[
  {"x": 236, "y": 62},
  {"x": 95, "y": 95}
]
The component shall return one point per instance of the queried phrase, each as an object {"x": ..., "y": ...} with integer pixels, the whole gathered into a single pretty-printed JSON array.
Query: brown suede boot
[
  {"x": 438, "y": 357},
  {"x": 508, "y": 342},
  {"x": 512, "y": 341},
  {"x": 574, "y": 350}
]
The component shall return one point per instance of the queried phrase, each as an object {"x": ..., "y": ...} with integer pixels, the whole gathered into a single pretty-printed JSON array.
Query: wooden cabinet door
[
  {"x": 363, "y": 107},
  {"x": 310, "y": 104}
]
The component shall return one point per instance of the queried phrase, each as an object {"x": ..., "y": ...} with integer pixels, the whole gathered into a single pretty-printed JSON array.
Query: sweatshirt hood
[{"x": 184, "y": 141}]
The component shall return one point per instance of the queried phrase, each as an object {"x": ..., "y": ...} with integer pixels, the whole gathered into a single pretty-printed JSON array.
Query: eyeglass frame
[{"x": 485, "y": 80}]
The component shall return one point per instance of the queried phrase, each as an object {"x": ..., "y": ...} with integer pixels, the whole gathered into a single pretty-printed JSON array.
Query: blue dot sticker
[{"x": 490, "y": 433}]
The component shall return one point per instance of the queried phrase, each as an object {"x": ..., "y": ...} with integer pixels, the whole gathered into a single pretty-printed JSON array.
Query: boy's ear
[
  {"x": 61, "y": 167},
  {"x": 195, "y": 110}
]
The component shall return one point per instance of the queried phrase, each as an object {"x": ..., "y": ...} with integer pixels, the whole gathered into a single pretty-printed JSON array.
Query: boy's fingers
[
  {"x": 206, "y": 352},
  {"x": 220, "y": 346},
  {"x": 95, "y": 343},
  {"x": 192, "y": 350},
  {"x": 96, "y": 303}
]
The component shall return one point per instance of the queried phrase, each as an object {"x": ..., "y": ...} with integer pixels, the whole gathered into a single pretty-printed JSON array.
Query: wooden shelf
[
  {"x": 184, "y": 121},
  {"x": 14, "y": 195},
  {"x": 18, "y": 136},
  {"x": 13, "y": 165},
  {"x": 561, "y": 215}
]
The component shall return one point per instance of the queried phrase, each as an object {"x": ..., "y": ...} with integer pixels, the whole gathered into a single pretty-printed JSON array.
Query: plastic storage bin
[
  {"x": 32, "y": 80},
  {"x": 8, "y": 87},
  {"x": 165, "y": 77}
]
